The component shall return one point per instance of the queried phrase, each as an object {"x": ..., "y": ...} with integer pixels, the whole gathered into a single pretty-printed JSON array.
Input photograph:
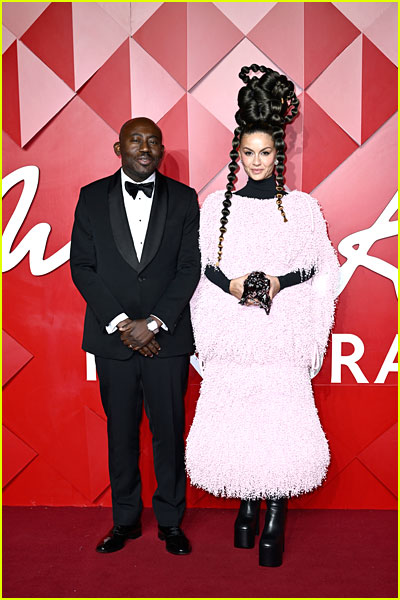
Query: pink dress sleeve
[{"x": 325, "y": 283}]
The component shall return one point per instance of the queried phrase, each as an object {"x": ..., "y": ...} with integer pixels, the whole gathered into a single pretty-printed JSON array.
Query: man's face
[{"x": 140, "y": 148}]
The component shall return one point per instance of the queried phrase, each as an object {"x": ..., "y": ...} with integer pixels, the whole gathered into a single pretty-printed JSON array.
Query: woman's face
[{"x": 257, "y": 153}]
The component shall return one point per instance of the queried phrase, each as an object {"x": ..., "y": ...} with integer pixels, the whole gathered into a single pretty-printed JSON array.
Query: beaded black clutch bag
[{"x": 256, "y": 287}]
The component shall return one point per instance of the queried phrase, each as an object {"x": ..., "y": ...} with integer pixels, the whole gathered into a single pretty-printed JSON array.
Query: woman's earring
[{"x": 276, "y": 162}]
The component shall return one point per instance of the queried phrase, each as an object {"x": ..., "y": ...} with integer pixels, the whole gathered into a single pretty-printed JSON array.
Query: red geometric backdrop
[{"x": 72, "y": 74}]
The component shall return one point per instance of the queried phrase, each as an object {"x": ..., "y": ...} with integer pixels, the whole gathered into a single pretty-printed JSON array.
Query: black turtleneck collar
[{"x": 262, "y": 189}]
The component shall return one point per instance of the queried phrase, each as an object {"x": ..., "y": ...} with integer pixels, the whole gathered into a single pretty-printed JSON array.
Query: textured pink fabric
[{"x": 256, "y": 430}]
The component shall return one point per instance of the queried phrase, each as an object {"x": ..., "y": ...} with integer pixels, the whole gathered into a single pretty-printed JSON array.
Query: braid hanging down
[
  {"x": 266, "y": 104},
  {"x": 234, "y": 155}
]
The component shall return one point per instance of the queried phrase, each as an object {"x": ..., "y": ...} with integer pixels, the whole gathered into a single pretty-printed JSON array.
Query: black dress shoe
[
  {"x": 247, "y": 524},
  {"x": 176, "y": 541},
  {"x": 116, "y": 538},
  {"x": 272, "y": 540}
]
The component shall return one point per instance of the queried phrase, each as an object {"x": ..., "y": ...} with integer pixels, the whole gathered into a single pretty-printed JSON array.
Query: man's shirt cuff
[
  {"x": 163, "y": 325},
  {"x": 112, "y": 326}
]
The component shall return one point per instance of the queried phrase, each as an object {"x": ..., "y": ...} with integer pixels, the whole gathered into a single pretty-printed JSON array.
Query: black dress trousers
[{"x": 161, "y": 383}]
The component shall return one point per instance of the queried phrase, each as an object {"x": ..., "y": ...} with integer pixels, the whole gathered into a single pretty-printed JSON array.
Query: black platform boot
[
  {"x": 272, "y": 540},
  {"x": 247, "y": 524}
]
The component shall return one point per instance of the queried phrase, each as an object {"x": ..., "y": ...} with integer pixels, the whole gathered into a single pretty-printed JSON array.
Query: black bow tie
[{"x": 134, "y": 188}]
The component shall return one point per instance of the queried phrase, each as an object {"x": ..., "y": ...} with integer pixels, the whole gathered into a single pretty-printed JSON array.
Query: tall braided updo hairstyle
[{"x": 266, "y": 104}]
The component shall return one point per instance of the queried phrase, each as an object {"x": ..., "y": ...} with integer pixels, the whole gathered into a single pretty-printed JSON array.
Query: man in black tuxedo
[{"x": 135, "y": 260}]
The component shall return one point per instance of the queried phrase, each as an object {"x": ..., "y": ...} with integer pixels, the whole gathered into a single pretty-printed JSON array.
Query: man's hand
[
  {"x": 136, "y": 333},
  {"x": 122, "y": 325},
  {"x": 137, "y": 336},
  {"x": 150, "y": 349},
  {"x": 236, "y": 286}
]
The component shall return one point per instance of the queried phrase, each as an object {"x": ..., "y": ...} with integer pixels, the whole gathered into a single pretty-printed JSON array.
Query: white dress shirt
[{"x": 138, "y": 213}]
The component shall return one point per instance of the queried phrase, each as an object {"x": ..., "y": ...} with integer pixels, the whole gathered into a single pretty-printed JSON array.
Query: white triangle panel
[
  {"x": 383, "y": 32},
  {"x": 96, "y": 37},
  {"x": 245, "y": 15},
  {"x": 42, "y": 94},
  {"x": 141, "y": 12},
  {"x": 120, "y": 12},
  {"x": 225, "y": 77},
  {"x": 153, "y": 91},
  {"x": 19, "y": 16},
  {"x": 338, "y": 90},
  {"x": 362, "y": 14},
  {"x": 7, "y": 39}
]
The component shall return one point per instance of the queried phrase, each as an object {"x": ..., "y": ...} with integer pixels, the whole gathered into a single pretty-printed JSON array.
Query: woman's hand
[
  {"x": 236, "y": 286},
  {"x": 274, "y": 287}
]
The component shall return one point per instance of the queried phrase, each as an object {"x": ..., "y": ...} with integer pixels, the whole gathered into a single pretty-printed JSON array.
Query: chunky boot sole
[
  {"x": 245, "y": 537},
  {"x": 271, "y": 556}
]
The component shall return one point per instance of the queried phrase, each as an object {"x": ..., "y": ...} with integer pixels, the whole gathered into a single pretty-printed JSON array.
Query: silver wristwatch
[{"x": 152, "y": 325}]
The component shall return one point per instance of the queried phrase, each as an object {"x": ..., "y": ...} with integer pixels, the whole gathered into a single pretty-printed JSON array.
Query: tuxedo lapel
[
  {"x": 119, "y": 223},
  {"x": 157, "y": 220}
]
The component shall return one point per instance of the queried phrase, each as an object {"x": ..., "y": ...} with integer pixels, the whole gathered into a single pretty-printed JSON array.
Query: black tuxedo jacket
[{"x": 106, "y": 270}]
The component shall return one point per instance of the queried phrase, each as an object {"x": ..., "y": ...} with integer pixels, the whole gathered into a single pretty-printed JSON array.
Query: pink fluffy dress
[{"x": 256, "y": 431}]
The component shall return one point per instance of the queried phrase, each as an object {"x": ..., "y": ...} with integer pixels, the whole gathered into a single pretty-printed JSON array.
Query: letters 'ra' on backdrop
[{"x": 72, "y": 73}]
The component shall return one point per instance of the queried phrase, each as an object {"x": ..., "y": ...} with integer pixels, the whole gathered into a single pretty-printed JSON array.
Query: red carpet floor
[{"x": 49, "y": 552}]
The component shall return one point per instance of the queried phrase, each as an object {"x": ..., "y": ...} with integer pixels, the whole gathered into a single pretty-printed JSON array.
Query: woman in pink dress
[{"x": 256, "y": 432}]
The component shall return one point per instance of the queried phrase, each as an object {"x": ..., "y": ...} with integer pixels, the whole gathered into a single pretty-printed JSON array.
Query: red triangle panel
[
  {"x": 174, "y": 126},
  {"x": 325, "y": 144},
  {"x": 85, "y": 463},
  {"x": 379, "y": 89},
  {"x": 113, "y": 75},
  {"x": 280, "y": 35},
  {"x": 96, "y": 440},
  {"x": 203, "y": 127},
  {"x": 15, "y": 357},
  {"x": 51, "y": 39},
  {"x": 355, "y": 487},
  {"x": 355, "y": 417},
  {"x": 380, "y": 458},
  {"x": 11, "y": 109},
  {"x": 18, "y": 455},
  {"x": 327, "y": 32},
  {"x": 42, "y": 485},
  {"x": 210, "y": 37},
  {"x": 164, "y": 37}
]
